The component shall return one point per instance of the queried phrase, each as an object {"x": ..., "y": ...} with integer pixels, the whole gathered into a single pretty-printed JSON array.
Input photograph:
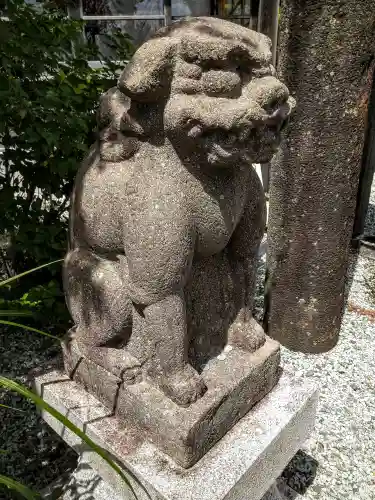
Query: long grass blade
[
  {"x": 30, "y": 328},
  {"x": 11, "y": 408},
  {"x": 13, "y": 313},
  {"x": 18, "y": 276},
  {"x": 19, "y": 487},
  {"x": 20, "y": 389}
]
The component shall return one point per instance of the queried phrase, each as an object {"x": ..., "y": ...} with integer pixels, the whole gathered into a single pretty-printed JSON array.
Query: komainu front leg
[
  {"x": 159, "y": 243},
  {"x": 160, "y": 341},
  {"x": 245, "y": 332}
]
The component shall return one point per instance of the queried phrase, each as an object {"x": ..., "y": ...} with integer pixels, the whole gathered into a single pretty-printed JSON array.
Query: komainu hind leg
[{"x": 97, "y": 297}]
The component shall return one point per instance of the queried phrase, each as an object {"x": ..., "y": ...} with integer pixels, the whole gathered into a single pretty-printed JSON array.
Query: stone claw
[
  {"x": 247, "y": 335},
  {"x": 184, "y": 387}
]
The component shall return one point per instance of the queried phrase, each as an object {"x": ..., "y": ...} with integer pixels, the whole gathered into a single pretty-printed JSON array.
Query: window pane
[
  {"x": 122, "y": 7},
  {"x": 97, "y": 31},
  {"x": 238, "y": 8},
  {"x": 181, "y": 8},
  {"x": 243, "y": 12}
]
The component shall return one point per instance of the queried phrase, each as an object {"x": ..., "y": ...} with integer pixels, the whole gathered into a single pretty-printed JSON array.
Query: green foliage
[
  {"x": 10, "y": 408},
  {"x": 31, "y": 303},
  {"x": 20, "y": 488},
  {"x": 29, "y": 328},
  {"x": 35, "y": 302},
  {"x": 48, "y": 99},
  {"x": 23, "y": 391},
  {"x": 29, "y": 271}
]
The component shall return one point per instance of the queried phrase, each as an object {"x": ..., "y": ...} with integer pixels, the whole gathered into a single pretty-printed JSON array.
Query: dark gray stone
[
  {"x": 314, "y": 177},
  {"x": 167, "y": 216}
]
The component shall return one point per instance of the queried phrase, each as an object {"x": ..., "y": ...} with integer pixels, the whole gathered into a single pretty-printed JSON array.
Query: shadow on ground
[{"x": 298, "y": 475}]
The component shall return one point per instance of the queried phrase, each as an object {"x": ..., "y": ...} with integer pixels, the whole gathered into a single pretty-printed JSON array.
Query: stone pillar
[{"x": 326, "y": 59}]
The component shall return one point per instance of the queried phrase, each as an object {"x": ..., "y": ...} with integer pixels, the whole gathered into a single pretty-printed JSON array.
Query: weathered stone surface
[
  {"x": 315, "y": 175},
  {"x": 86, "y": 484},
  {"x": 236, "y": 381},
  {"x": 167, "y": 212},
  {"x": 241, "y": 466},
  {"x": 96, "y": 379},
  {"x": 167, "y": 216}
]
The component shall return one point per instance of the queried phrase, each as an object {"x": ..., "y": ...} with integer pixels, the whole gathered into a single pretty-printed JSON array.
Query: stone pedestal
[
  {"x": 243, "y": 465},
  {"x": 86, "y": 484},
  {"x": 236, "y": 380}
]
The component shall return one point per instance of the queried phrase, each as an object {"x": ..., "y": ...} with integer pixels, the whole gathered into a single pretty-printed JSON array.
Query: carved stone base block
[
  {"x": 236, "y": 381},
  {"x": 241, "y": 466}
]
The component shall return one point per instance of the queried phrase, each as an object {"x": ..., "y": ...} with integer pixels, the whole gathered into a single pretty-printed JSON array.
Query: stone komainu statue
[{"x": 167, "y": 210}]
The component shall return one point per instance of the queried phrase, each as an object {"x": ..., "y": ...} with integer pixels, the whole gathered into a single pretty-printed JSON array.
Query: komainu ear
[{"x": 148, "y": 76}]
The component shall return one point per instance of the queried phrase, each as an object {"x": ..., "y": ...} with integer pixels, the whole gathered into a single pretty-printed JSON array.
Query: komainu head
[{"x": 204, "y": 84}]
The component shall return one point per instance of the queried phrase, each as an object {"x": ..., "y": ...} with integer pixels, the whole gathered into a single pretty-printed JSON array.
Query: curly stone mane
[{"x": 169, "y": 64}]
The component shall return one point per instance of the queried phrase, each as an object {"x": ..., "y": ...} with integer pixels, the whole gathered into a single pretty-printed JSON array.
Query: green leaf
[
  {"x": 30, "y": 328},
  {"x": 11, "y": 408},
  {"x": 15, "y": 313},
  {"x": 13, "y": 278},
  {"x": 19, "y": 487},
  {"x": 81, "y": 87},
  {"x": 37, "y": 400}
]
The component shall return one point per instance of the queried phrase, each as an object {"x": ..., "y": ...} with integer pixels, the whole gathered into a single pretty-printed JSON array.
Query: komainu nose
[{"x": 268, "y": 92}]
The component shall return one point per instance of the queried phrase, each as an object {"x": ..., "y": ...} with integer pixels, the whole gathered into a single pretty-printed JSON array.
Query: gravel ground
[
  {"x": 341, "y": 451},
  {"x": 33, "y": 453},
  {"x": 338, "y": 461},
  {"x": 343, "y": 444}
]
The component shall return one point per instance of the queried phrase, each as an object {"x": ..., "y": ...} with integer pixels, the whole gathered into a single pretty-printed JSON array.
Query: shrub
[{"x": 48, "y": 96}]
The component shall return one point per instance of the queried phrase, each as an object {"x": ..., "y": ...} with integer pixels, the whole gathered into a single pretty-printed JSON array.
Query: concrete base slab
[
  {"x": 243, "y": 465},
  {"x": 86, "y": 484}
]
